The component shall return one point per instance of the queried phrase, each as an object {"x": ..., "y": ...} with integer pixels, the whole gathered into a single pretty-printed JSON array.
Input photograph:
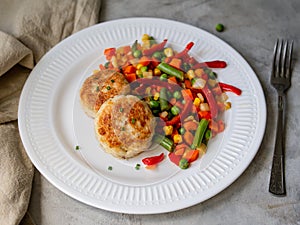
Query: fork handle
[{"x": 277, "y": 179}]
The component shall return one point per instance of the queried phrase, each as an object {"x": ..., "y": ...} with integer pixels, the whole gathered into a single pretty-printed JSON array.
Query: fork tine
[
  {"x": 283, "y": 58},
  {"x": 274, "y": 59},
  {"x": 289, "y": 60},
  {"x": 279, "y": 60}
]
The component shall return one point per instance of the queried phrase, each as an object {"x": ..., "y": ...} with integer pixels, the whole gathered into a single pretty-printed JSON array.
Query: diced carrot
[
  {"x": 172, "y": 80},
  {"x": 187, "y": 92},
  {"x": 205, "y": 114},
  {"x": 145, "y": 61},
  {"x": 190, "y": 155},
  {"x": 188, "y": 137},
  {"x": 173, "y": 101},
  {"x": 190, "y": 125},
  {"x": 188, "y": 84},
  {"x": 175, "y": 62},
  {"x": 168, "y": 59},
  {"x": 130, "y": 77},
  {"x": 129, "y": 69}
]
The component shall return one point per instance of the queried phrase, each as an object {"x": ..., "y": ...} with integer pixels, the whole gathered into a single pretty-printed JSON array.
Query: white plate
[{"x": 52, "y": 123}]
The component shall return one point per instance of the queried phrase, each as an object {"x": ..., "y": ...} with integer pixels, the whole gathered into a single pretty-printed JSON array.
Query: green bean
[
  {"x": 166, "y": 68},
  {"x": 165, "y": 142},
  {"x": 137, "y": 53},
  {"x": 153, "y": 104},
  {"x": 184, "y": 164},
  {"x": 163, "y": 99},
  {"x": 200, "y": 133}
]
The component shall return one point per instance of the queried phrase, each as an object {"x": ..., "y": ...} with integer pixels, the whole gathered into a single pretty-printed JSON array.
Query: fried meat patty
[
  {"x": 124, "y": 126},
  {"x": 99, "y": 87}
]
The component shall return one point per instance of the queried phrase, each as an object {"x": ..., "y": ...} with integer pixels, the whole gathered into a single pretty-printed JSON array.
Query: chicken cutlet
[{"x": 124, "y": 126}]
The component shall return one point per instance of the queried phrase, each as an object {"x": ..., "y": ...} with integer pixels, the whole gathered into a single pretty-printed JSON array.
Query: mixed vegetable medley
[{"x": 183, "y": 94}]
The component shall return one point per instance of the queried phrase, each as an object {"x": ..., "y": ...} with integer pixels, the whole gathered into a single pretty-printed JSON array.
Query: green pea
[
  {"x": 177, "y": 95},
  {"x": 184, "y": 164},
  {"x": 144, "y": 69},
  {"x": 220, "y": 27},
  {"x": 157, "y": 55},
  {"x": 163, "y": 77},
  {"x": 181, "y": 130},
  {"x": 137, "y": 53},
  {"x": 175, "y": 110},
  {"x": 186, "y": 66}
]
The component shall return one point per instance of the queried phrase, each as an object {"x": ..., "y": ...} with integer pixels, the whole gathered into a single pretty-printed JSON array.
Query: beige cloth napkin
[{"x": 28, "y": 29}]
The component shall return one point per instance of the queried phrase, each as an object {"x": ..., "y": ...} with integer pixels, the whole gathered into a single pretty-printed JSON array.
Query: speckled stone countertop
[{"x": 252, "y": 27}]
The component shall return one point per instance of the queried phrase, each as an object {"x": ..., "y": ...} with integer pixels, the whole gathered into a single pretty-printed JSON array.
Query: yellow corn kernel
[
  {"x": 139, "y": 66},
  {"x": 95, "y": 71},
  {"x": 190, "y": 74},
  {"x": 146, "y": 44},
  {"x": 157, "y": 72},
  {"x": 168, "y": 130},
  {"x": 145, "y": 37},
  {"x": 168, "y": 52},
  {"x": 139, "y": 73},
  {"x": 200, "y": 96},
  {"x": 227, "y": 105},
  {"x": 177, "y": 138},
  {"x": 156, "y": 96},
  {"x": 204, "y": 107},
  {"x": 199, "y": 72},
  {"x": 197, "y": 102},
  {"x": 202, "y": 149}
]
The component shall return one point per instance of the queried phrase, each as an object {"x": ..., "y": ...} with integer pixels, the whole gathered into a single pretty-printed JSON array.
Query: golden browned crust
[
  {"x": 90, "y": 89},
  {"x": 124, "y": 126},
  {"x": 114, "y": 85}
]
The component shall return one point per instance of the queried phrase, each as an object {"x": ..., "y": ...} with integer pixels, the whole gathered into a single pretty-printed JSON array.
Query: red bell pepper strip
[
  {"x": 155, "y": 48},
  {"x": 211, "y": 101},
  {"x": 211, "y": 64},
  {"x": 153, "y": 160},
  {"x": 184, "y": 52},
  {"x": 174, "y": 158},
  {"x": 231, "y": 88}
]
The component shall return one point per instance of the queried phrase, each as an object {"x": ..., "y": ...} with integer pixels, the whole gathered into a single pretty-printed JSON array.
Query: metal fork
[{"x": 281, "y": 81}]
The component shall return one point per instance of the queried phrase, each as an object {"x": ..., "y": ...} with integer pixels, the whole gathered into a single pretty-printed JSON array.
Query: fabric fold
[{"x": 28, "y": 29}]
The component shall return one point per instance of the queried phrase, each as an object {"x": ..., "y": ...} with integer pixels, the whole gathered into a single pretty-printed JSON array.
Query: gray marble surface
[{"x": 252, "y": 28}]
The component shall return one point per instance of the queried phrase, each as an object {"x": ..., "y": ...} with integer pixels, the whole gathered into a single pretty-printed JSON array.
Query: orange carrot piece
[
  {"x": 190, "y": 125},
  {"x": 172, "y": 80},
  {"x": 130, "y": 77},
  {"x": 188, "y": 137},
  {"x": 175, "y": 62}
]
